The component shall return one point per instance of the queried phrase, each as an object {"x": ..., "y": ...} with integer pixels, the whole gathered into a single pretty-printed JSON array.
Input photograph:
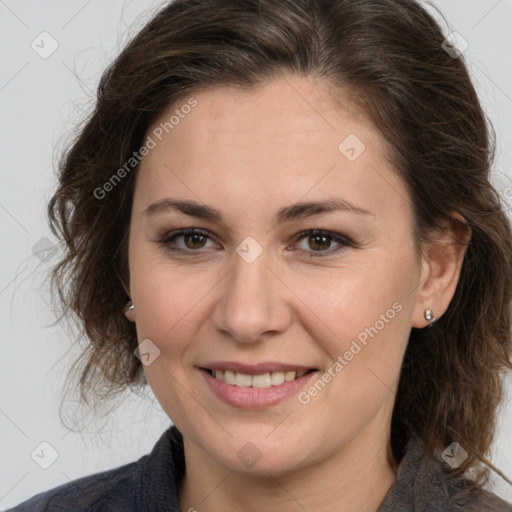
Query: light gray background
[{"x": 41, "y": 100}]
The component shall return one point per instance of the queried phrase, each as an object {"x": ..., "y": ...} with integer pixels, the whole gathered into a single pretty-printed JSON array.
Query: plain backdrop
[{"x": 52, "y": 55}]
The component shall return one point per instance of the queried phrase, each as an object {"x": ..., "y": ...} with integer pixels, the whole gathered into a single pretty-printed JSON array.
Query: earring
[
  {"x": 129, "y": 311},
  {"x": 429, "y": 316}
]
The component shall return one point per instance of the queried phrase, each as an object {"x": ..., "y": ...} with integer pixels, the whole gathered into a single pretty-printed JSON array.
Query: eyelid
[
  {"x": 342, "y": 241},
  {"x": 167, "y": 237}
]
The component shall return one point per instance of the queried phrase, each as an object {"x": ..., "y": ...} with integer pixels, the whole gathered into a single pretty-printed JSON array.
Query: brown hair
[{"x": 389, "y": 54}]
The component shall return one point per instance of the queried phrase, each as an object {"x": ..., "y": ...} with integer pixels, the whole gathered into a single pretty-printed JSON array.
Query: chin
[{"x": 260, "y": 457}]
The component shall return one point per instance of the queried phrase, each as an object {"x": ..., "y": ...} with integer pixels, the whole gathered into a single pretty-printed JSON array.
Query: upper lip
[{"x": 255, "y": 369}]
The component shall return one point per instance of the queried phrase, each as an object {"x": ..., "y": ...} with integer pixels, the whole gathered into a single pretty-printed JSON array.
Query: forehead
[{"x": 253, "y": 150}]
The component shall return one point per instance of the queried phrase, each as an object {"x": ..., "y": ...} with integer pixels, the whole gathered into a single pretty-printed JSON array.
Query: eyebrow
[{"x": 286, "y": 214}]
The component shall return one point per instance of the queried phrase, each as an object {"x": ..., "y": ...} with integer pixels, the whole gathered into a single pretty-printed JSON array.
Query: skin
[{"x": 248, "y": 154}]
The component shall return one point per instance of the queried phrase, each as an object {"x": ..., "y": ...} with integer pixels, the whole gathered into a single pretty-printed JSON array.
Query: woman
[{"x": 279, "y": 215}]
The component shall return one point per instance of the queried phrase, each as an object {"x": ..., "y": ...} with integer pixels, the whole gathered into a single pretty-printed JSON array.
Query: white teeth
[
  {"x": 288, "y": 376},
  {"x": 262, "y": 380},
  {"x": 242, "y": 380},
  {"x": 276, "y": 378},
  {"x": 229, "y": 377}
]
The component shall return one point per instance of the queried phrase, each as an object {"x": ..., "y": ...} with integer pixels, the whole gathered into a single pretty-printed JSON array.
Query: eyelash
[{"x": 166, "y": 241}]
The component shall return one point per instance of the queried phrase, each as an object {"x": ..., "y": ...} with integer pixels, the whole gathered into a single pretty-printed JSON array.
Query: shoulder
[
  {"x": 424, "y": 484},
  {"x": 457, "y": 494},
  {"x": 150, "y": 483},
  {"x": 109, "y": 490}
]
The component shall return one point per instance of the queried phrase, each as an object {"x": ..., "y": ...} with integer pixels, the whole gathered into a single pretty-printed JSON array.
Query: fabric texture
[{"x": 151, "y": 485}]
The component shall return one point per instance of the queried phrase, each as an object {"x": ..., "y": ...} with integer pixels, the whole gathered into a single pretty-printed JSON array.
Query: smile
[
  {"x": 255, "y": 386},
  {"x": 261, "y": 380}
]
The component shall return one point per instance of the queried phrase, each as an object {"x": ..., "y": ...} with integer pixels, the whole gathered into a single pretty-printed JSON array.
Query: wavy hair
[{"x": 390, "y": 57}]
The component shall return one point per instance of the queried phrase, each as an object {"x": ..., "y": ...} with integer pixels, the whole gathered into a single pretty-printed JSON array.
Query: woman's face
[{"x": 254, "y": 293}]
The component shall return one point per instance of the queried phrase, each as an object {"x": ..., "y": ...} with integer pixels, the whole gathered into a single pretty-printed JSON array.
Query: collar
[{"x": 423, "y": 484}]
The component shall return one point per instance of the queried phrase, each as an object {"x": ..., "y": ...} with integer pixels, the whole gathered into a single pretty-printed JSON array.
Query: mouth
[
  {"x": 259, "y": 380},
  {"x": 255, "y": 385}
]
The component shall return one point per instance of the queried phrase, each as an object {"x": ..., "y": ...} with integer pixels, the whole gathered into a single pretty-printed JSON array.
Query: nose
[{"x": 254, "y": 301}]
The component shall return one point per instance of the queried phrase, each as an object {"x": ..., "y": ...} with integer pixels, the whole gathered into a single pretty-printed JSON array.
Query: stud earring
[
  {"x": 429, "y": 316},
  {"x": 129, "y": 311},
  {"x": 129, "y": 306}
]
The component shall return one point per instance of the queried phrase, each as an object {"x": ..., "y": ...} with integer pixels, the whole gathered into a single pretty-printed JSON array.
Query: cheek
[
  {"x": 168, "y": 302},
  {"x": 169, "y": 308},
  {"x": 363, "y": 314},
  {"x": 362, "y": 323}
]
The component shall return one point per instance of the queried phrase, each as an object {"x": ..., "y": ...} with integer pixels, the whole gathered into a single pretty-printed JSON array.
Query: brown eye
[
  {"x": 186, "y": 241},
  {"x": 319, "y": 242},
  {"x": 194, "y": 241}
]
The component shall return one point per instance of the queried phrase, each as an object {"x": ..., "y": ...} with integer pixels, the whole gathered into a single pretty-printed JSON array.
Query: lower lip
[{"x": 254, "y": 398}]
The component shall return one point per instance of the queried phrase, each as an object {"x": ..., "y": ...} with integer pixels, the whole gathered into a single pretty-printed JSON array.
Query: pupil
[
  {"x": 324, "y": 241},
  {"x": 195, "y": 239}
]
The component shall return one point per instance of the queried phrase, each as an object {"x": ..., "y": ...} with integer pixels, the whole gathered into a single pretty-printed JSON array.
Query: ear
[
  {"x": 129, "y": 313},
  {"x": 441, "y": 264}
]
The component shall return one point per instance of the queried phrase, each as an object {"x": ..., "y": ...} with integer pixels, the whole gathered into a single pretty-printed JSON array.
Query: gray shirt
[{"x": 151, "y": 485}]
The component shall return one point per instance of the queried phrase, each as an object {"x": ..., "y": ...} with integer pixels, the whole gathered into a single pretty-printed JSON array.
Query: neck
[{"x": 356, "y": 478}]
